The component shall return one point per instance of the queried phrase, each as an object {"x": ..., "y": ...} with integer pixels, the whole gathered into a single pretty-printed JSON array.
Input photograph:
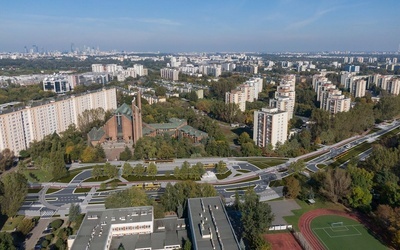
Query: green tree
[
  {"x": 335, "y": 184},
  {"x": 74, "y": 212},
  {"x": 152, "y": 170},
  {"x": 14, "y": 190},
  {"x": 296, "y": 167},
  {"x": 221, "y": 167},
  {"x": 256, "y": 218},
  {"x": 110, "y": 171},
  {"x": 132, "y": 197},
  {"x": 139, "y": 170},
  {"x": 6, "y": 241},
  {"x": 25, "y": 226},
  {"x": 125, "y": 155},
  {"x": 127, "y": 169},
  {"x": 188, "y": 245},
  {"x": 6, "y": 159},
  {"x": 97, "y": 172},
  {"x": 361, "y": 187}
]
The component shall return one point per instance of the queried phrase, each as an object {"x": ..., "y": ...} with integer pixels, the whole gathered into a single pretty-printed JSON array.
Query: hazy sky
[{"x": 202, "y": 25}]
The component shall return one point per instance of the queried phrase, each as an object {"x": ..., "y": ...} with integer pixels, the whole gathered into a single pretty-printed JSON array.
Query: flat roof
[
  {"x": 96, "y": 225},
  {"x": 208, "y": 218}
]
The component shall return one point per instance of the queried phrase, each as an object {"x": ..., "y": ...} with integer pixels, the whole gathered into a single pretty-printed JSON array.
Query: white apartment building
[
  {"x": 270, "y": 127},
  {"x": 285, "y": 95},
  {"x": 336, "y": 102},
  {"x": 246, "y": 92},
  {"x": 98, "y": 68},
  {"x": 358, "y": 87},
  {"x": 238, "y": 97},
  {"x": 170, "y": 74},
  {"x": 20, "y": 127}
]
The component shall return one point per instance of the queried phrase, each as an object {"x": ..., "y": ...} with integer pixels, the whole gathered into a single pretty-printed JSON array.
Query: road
[{"x": 49, "y": 203}]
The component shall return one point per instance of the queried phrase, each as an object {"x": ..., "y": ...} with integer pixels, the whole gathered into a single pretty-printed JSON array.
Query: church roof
[
  {"x": 96, "y": 134},
  {"x": 124, "y": 109}
]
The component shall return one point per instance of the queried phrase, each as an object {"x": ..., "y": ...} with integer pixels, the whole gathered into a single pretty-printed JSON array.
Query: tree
[
  {"x": 97, "y": 172},
  {"x": 132, "y": 197},
  {"x": 6, "y": 241},
  {"x": 14, "y": 190},
  {"x": 256, "y": 218},
  {"x": 160, "y": 91},
  {"x": 152, "y": 170},
  {"x": 244, "y": 138},
  {"x": 139, "y": 170},
  {"x": 26, "y": 225},
  {"x": 296, "y": 167},
  {"x": 335, "y": 184},
  {"x": 292, "y": 187},
  {"x": 221, "y": 167},
  {"x": 110, "y": 171},
  {"x": 91, "y": 118},
  {"x": 6, "y": 159},
  {"x": 188, "y": 245},
  {"x": 74, "y": 212},
  {"x": 88, "y": 155},
  {"x": 125, "y": 155},
  {"x": 127, "y": 169},
  {"x": 361, "y": 187}
]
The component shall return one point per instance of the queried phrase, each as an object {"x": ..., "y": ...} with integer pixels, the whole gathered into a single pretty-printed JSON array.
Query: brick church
[{"x": 124, "y": 126}]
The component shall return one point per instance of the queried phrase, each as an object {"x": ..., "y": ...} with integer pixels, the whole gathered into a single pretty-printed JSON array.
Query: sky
[{"x": 201, "y": 26}]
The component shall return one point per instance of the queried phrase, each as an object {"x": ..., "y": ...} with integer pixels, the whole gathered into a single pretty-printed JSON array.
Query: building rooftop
[
  {"x": 125, "y": 110},
  {"x": 96, "y": 226},
  {"x": 210, "y": 225}
]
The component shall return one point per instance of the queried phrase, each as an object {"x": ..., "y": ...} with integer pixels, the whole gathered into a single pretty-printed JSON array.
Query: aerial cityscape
[{"x": 199, "y": 125}]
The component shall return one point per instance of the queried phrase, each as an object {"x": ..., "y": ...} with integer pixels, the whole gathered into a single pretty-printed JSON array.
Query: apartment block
[
  {"x": 285, "y": 95},
  {"x": 170, "y": 74},
  {"x": 270, "y": 127},
  {"x": 20, "y": 127},
  {"x": 358, "y": 87},
  {"x": 246, "y": 92},
  {"x": 236, "y": 96}
]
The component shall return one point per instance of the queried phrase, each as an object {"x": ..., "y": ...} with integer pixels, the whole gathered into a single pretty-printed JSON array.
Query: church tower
[{"x": 137, "y": 124}]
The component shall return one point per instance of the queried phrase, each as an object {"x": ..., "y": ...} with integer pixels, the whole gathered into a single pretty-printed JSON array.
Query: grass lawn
[
  {"x": 52, "y": 190},
  {"x": 243, "y": 170},
  {"x": 237, "y": 175},
  {"x": 373, "y": 131},
  {"x": 305, "y": 207},
  {"x": 149, "y": 178},
  {"x": 265, "y": 162},
  {"x": 241, "y": 188},
  {"x": 351, "y": 235},
  {"x": 81, "y": 190},
  {"x": 101, "y": 178},
  {"x": 34, "y": 190},
  {"x": 277, "y": 183},
  {"x": 321, "y": 166},
  {"x": 12, "y": 223},
  {"x": 68, "y": 178},
  {"x": 353, "y": 152},
  {"x": 313, "y": 157},
  {"x": 224, "y": 175},
  {"x": 37, "y": 175}
]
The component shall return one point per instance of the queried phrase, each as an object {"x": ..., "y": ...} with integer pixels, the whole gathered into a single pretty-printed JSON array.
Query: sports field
[{"x": 337, "y": 232}]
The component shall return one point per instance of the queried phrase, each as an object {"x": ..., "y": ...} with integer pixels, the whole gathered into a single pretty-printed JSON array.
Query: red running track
[{"x": 305, "y": 224}]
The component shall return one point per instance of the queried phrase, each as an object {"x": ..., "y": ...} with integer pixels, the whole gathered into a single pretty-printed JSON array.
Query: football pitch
[{"x": 337, "y": 232}]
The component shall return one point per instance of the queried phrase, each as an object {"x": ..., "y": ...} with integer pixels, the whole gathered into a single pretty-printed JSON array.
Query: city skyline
[{"x": 206, "y": 26}]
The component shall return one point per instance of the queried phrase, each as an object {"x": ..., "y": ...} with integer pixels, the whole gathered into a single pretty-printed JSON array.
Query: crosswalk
[{"x": 47, "y": 213}]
